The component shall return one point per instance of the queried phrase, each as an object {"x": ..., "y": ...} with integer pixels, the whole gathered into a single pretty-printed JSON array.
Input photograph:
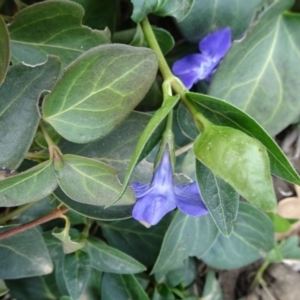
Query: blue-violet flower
[
  {"x": 194, "y": 67},
  {"x": 156, "y": 199}
]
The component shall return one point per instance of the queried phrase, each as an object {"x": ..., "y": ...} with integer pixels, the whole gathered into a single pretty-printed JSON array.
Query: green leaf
[
  {"x": 3, "y": 288},
  {"x": 280, "y": 223},
  {"x": 212, "y": 289},
  {"x": 260, "y": 73},
  {"x": 99, "y": 14},
  {"x": 165, "y": 39},
  {"x": 150, "y": 136},
  {"x": 108, "y": 259},
  {"x": 207, "y": 16},
  {"x": 135, "y": 239},
  {"x": 116, "y": 148},
  {"x": 162, "y": 292},
  {"x": 5, "y": 50},
  {"x": 175, "y": 8},
  {"x": 91, "y": 182},
  {"x": 99, "y": 90},
  {"x": 76, "y": 273},
  {"x": 186, "y": 121},
  {"x": 290, "y": 248},
  {"x": 18, "y": 129},
  {"x": 24, "y": 255},
  {"x": 114, "y": 212},
  {"x": 69, "y": 245},
  {"x": 240, "y": 160},
  {"x": 121, "y": 287},
  {"x": 29, "y": 186},
  {"x": 219, "y": 197},
  {"x": 186, "y": 236},
  {"x": 223, "y": 113},
  {"x": 52, "y": 27},
  {"x": 253, "y": 236},
  {"x": 41, "y": 287}
]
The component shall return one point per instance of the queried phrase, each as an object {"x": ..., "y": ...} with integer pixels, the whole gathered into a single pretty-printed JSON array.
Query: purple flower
[
  {"x": 194, "y": 67},
  {"x": 156, "y": 199}
]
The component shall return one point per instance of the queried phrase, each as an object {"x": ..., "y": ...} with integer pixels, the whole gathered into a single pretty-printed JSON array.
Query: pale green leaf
[
  {"x": 29, "y": 186},
  {"x": 108, "y": 259},
  {"x": 24, "y": 255},
  {"x": 52, "y": 27},
  {"x": 260, "y": 74},
  {"x": 99, "y": 90},
  {"x": 19, "y": 115},
  {"x": 5, "y": 50},
  {"x": 239, "y": 160},
  {"x": 212, "y": 289}
]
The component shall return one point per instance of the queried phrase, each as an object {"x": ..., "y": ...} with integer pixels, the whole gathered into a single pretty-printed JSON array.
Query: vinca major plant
[{"x": 137, "y": 142}]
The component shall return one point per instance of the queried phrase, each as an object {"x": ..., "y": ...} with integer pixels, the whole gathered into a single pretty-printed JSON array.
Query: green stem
[
  {"x": 259, "y": 275},
  {"x": 153, "y": 44},
  {"x": 16, "y": 212},
  {"x": 36, "y": 155},
  {"x": 168, "y": 76}
]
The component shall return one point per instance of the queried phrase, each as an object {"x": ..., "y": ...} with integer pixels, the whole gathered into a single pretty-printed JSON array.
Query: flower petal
[
  {"x": 192, "y": 68},
  {"x": 163, "y": 175},
  {"x": 189, "y": 201},
  {"x": 216, "y": 44},
  {"x": 140, "y": 189},
  {"x": 152, "y": 207}
]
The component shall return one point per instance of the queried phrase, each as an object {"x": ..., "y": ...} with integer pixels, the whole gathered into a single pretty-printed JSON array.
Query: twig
[{"x": 51, "y": 216}]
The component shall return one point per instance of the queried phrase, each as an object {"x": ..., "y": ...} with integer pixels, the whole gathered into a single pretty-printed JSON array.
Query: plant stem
[
  {"x": 58, "y": 213},
  {"x": 153, "y": 44},
  {"x": 168, "y": 76},
  {"x": 184, "y": 149},
  {"x": 16, "y": 212}
]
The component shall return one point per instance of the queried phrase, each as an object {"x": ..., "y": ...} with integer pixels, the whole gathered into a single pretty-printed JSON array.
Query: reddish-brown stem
[{"x": 51, "y": 216}]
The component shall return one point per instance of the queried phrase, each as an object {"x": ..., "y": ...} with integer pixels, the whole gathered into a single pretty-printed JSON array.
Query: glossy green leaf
[
  {"x": 239, "y": 160},
  {"x": 114, "y": 212},
  {"x": 260, "y": 73},
  {"x": 91, "y": 182},
  {"x": 186, "y": 236},
  {"x": 5, "y": 50},
  {"x": 76, "y": 273},
  {"x": 99, "y": 90},
  {"x": 175, "y": 8},
  {"x": 24, "y": 255},
  {"x": 99, "y": 14},
  {"x": 223, "y": 113},
  {"x": 186, "y": 122},
  {"x": 212, "y": 289},
  {"x": 210, "y": 15},
  {"x": 219, "y": 197},
  {"x": 121, "y": 287},
  {"x": 135, "y": 239},
  {"x": 108, "y": 259},
  {"x": 253, "y": 236},
  {"x": 20, "y": 93},
  {"x": 116, "y": 148},
  {"x": 52, "y": 27},
  {"x": 54, "y": 246},
  {"x": 29, "y": 186},
  {"x": 150, "y": 136}
]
